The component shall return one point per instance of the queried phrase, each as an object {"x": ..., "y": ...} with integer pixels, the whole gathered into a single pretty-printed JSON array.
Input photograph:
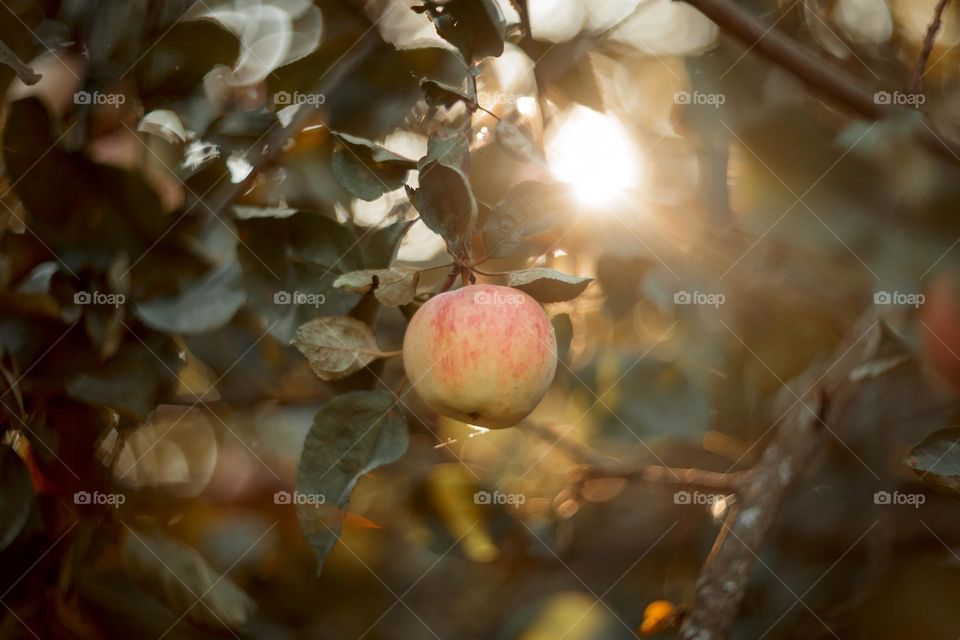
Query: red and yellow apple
[
  {"x": 482, "y": 354},
  {"x": 940, "y": 332}
]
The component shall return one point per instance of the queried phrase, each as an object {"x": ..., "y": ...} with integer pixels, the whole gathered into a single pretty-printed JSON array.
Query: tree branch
[
  {"x": 803, "y": 434},
  {"x": 12, "y": 60},
  {"x": 924, "y": 56},
  {"x": 834, "y": 84},
  {"x": 726, "y": 572}
]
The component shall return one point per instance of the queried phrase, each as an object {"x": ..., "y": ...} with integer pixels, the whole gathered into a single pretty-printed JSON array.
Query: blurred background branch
[{"x": 835, "y": 84}]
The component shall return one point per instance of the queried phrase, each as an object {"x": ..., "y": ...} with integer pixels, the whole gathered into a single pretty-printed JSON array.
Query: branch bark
[
  {"x": 726, "y": 572},
  {"x": 928, "y": 41},
  {"x": 836, "y": 85}
]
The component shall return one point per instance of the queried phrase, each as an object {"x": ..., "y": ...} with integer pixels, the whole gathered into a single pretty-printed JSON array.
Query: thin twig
[
  {"x": 932, "y": 31},
  {"x": 597, "y": 466}
]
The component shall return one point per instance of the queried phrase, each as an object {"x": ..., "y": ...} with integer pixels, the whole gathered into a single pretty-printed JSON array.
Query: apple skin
[
  {"x": 940, "y": 332},
  {"x": 483, "y": 354}
]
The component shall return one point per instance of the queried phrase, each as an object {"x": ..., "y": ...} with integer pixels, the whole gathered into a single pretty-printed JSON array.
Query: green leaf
[
  {"x": 337, "y": 347},
  {"x": 446, "y": 203},
  {"x": 205, "y": 304},
  {"x": 381, "y": 249},
  {"x": 936, "y": 460},
  {"x": 547, "y": 285},
  {"x": 16, "y": 496},
  {"x": 352, "y": 434},
  {"x": 133, "y": 381},
  {"x": 179, "y": 576},
  {"x": 516, "y": 143},
  {"x": 366, "y": 169},
  {"x": 475, "y": 27},
  {"x": 451, "y": 149},
  {"x": 438, "y": 94},
  {"x": 529, "y": 209},
  {"x": 393, "y": 287},
  {"x": 567, "y": 72},
  {"x": 563, "y": 330}
]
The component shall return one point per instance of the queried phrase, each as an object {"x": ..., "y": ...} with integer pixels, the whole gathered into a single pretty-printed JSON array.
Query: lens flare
[{"x": 594, "y": 153}]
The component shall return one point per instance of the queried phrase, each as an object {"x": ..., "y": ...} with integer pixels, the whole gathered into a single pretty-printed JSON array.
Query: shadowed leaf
[
  {"x": 351, "y": 435},
  {"x": 337, "y": 347}
]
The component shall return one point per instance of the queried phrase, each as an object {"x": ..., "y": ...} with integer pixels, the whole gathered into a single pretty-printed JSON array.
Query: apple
[
  {"x": 482, "y": 354},
  {"x": 940, "y": 331}
]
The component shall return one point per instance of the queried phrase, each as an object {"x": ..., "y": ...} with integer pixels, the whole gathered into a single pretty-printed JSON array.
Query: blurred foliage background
[{"x": 693, "y": 168}]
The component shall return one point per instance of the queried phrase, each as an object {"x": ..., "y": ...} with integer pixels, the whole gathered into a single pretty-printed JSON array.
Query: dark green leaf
[
  {"x": 529, "y": 209},
  {"x": 16, "y": 496},
  {"x": 381, "y": 248},
  {"x": 289, "y": 268},
  {"x": 450, "y": 149},
  {"x": 563, "y": 329},
  {"x": 180, "y": 577},
  {"x": 936, "y": 460},
  {"x": 367, "y": 170},
  {"x": 547, "y": 285},
  {"x": 446, "y": 203},
  {"x": 133, "y": 381},
  {"x": 205, "y": 304},
  {"x": 351, "y": 435},
  {"x": 475, "y": 27},
  {"x": 565, "y": 69},
  {"x": 438, "y": 94}
]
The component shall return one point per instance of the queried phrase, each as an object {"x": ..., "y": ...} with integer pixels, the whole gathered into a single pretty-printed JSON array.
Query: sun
[{"x": 595, "y": 154}]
